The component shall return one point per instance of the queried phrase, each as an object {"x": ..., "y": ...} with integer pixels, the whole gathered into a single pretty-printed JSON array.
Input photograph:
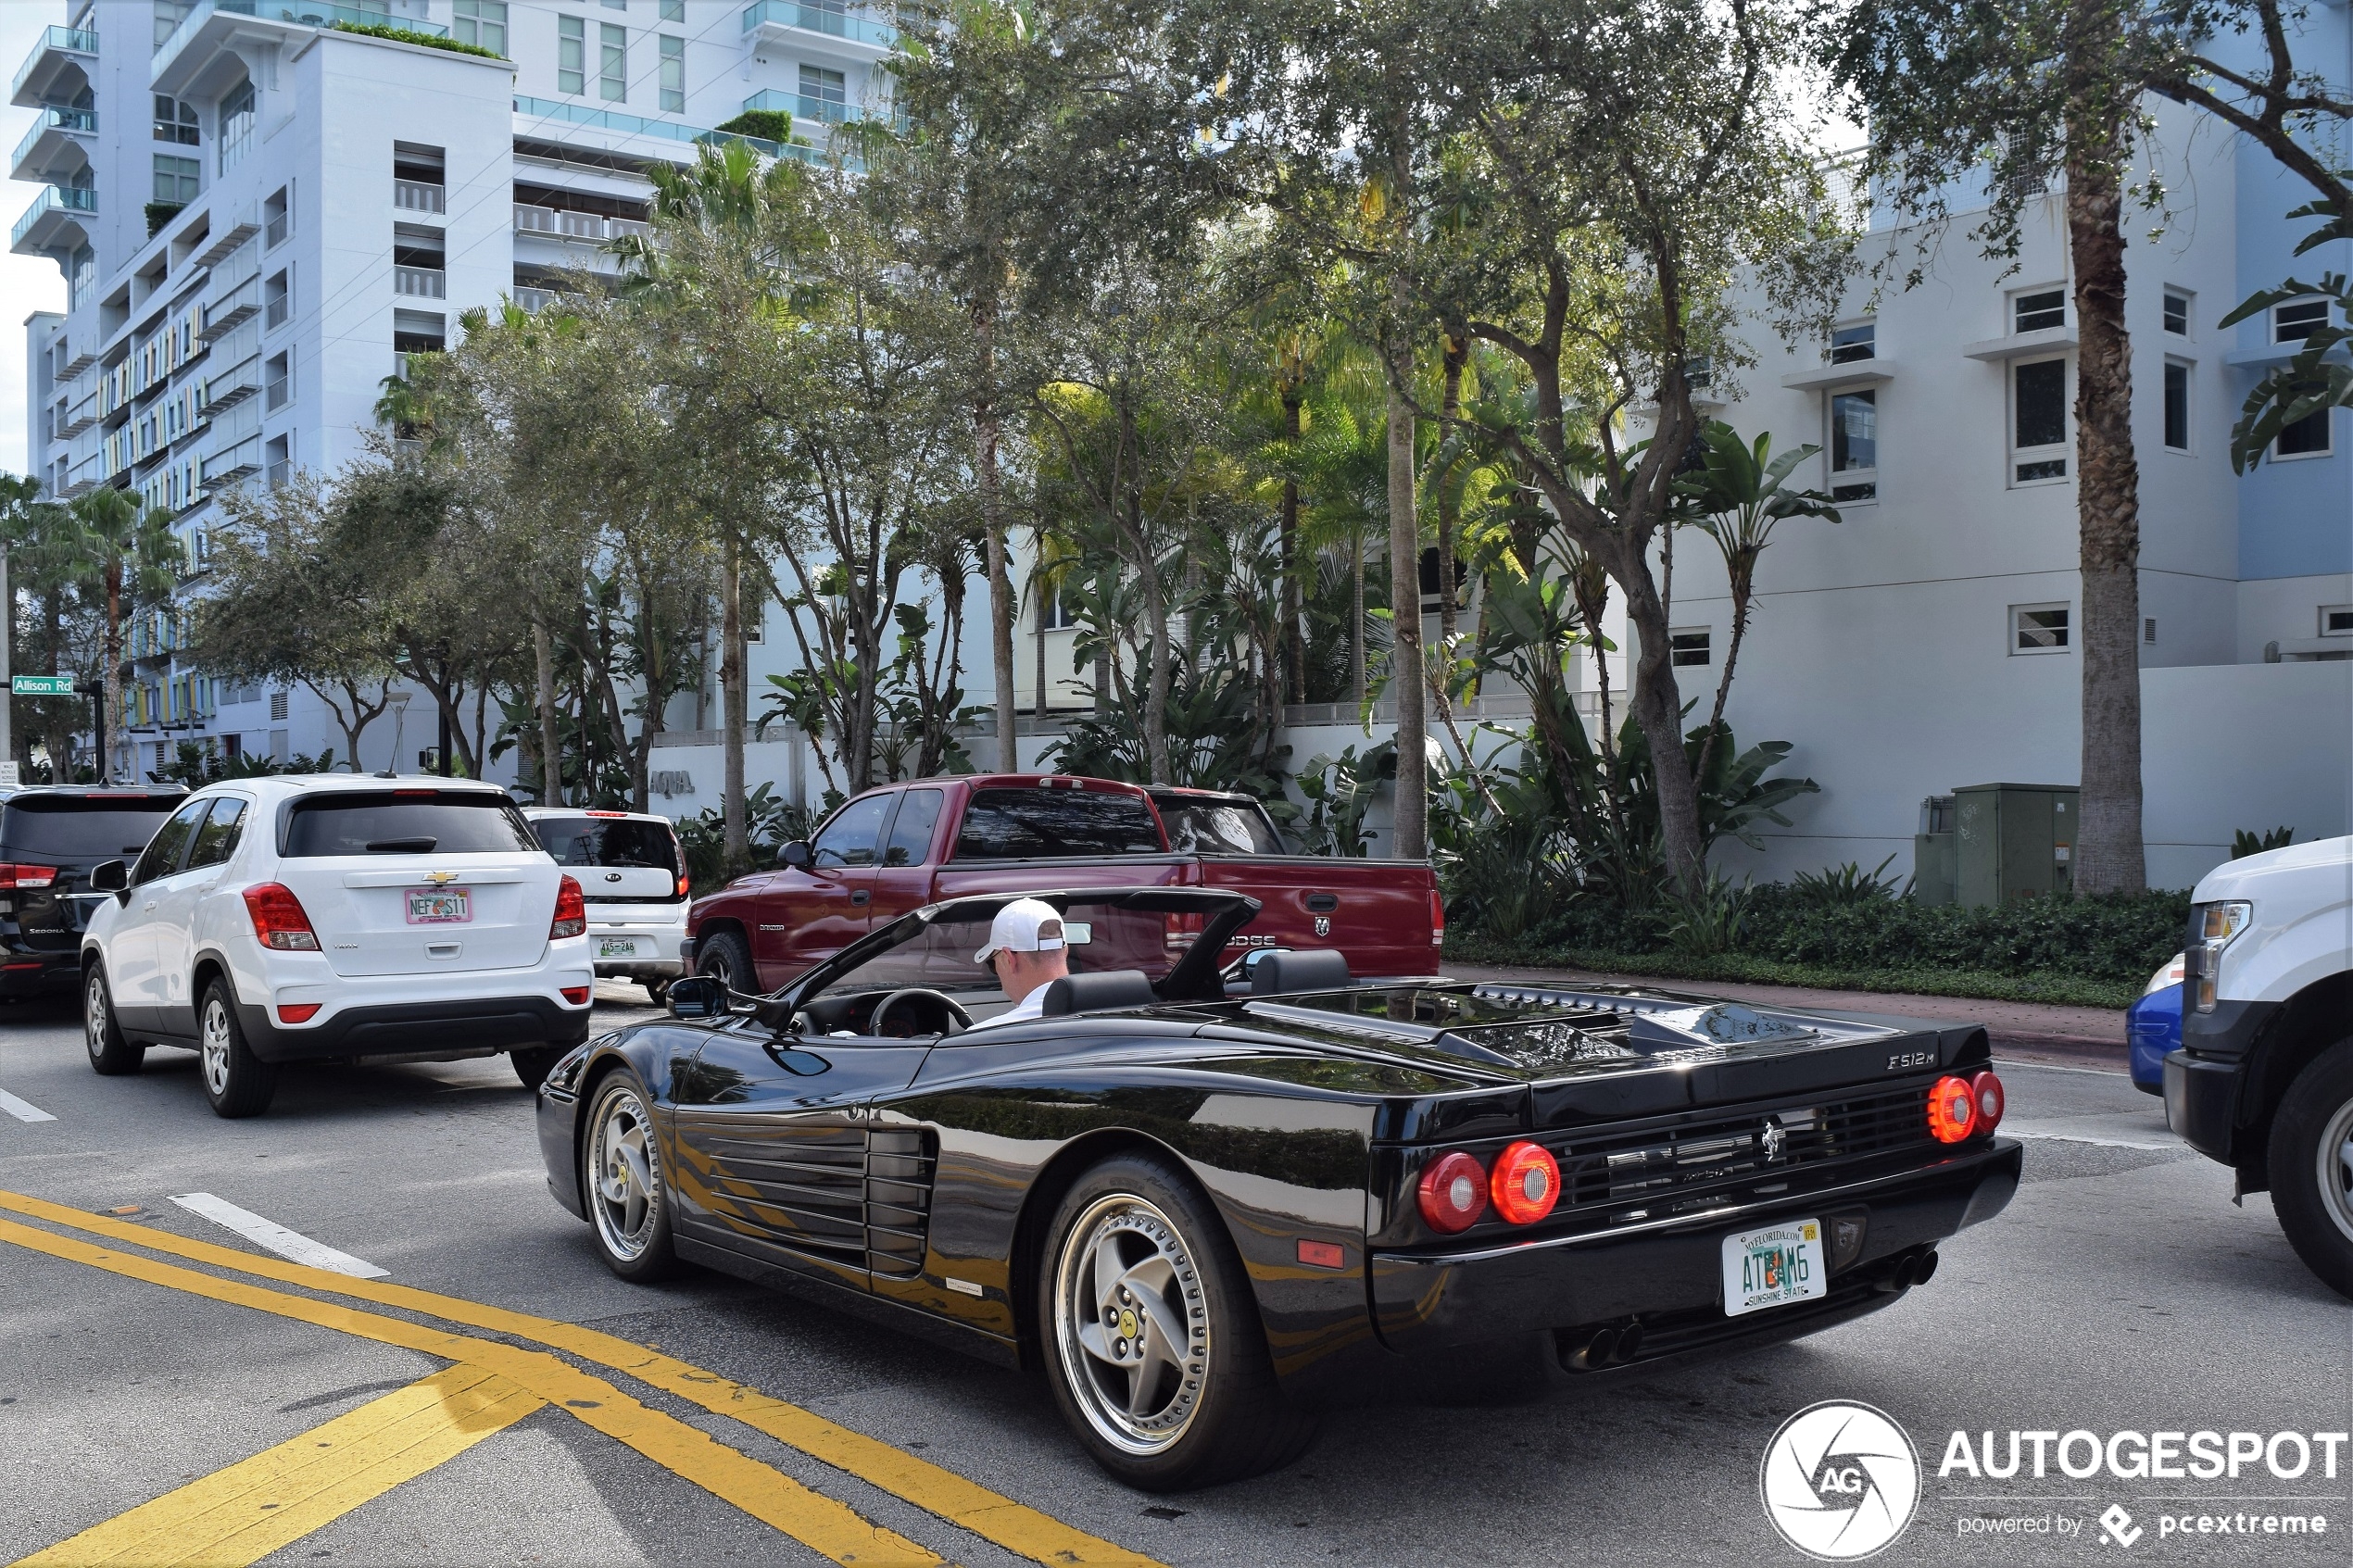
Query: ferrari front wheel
[
  {"x": 1154, "y": 1346},
  {"x": 622, "y": 1179}
]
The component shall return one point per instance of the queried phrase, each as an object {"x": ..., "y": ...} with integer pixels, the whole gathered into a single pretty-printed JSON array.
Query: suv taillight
[
  {"x": 12, "y": 876},
  {"x": 278, "y": 919},
  {"x": 685, "y": 882},
  {"x": 572, "y": 912}
]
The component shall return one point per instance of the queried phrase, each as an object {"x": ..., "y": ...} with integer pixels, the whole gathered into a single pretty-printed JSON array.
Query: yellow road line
[
  {"x": 241, "y": 1515},
  {"x": 768, "y": 1495},
  {"x": 990, "y": 1515}
]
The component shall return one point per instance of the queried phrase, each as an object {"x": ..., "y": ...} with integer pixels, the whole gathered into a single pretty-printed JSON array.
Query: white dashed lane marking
[
  {"x": 23, "y": 1111},
  {"x": 275, "y": 1236}
]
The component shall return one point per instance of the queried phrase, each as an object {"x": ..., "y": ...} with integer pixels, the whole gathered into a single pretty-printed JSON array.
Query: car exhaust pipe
[
  {"x": 1610, "y": 1345},
  {"x": 1629, "y": 1342},
  {"x": 1903, "y": 1276},
  {"x": 1927, "y": 1269}
]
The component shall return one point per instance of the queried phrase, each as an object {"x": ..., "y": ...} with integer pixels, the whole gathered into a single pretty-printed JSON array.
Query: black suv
[{"x": 49, "y": 839}]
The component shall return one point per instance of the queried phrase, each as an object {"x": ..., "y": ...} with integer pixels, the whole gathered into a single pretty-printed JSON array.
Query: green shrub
[
  {"x": 772, "y": 125},
  {"x": 408, "y": 36},
  {"x": 2121, "y": 938}
]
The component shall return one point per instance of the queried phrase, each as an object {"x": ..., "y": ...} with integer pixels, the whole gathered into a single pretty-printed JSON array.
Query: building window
[
  {"x": 85, "y": 275},
  {"x": 1857, "y": 342},
  {"x": 824, "y": 94},
  {"x": 612, "y": 69},
  {"x": 2297, "y": 319},
  {"x": 175, "y": 122},
  {"x": 2177, "y": 312},
  {"x": 1854, "y": 445},
  {"x": 2308, "y": 437},
  {"x": 2038, "y": 420},
  {"x": 177, "y": 178},
  {"x": 482, "y": 23},
  {"x": 2038, "y": 628},
  {"x": 2039, "y": 310},
  {"x": 1056, "y": 610},
  {"x": 277, "y": 708},
  {"x": 2148, "y": 629},
  {"x": 277, "y": 382},
  {"x": 674, "y": 75},
  {"x": 277, "y": 300},
  {"x": 1689, "y": 646},
  {"x": 2337, "y": 621},
  {"x": 2177, "y": 406},
  {"x": 236, "y": 125},
  {"x": 614, "y": 5},
  {"x": 572, "y": 55},
  {"x": 277, "y": 216},
  {"x": 278, "y": 459},
  {"x": 674, "y": 11}
]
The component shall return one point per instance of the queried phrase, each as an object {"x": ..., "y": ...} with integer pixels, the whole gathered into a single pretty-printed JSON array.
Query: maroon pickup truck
[{"x": 901, "y": 847}]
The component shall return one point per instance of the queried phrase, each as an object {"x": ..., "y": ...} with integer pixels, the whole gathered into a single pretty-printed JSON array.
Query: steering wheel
[{"x": 876, "y": 1026}]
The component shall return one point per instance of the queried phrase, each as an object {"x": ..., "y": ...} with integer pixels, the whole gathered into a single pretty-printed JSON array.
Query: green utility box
[
  {"x": 2014, "y": 841},
  {"x": 1935, "y": 851}
]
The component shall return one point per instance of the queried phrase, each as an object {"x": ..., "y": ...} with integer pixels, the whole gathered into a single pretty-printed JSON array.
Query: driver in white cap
[{"x": 1025, "y": 948}]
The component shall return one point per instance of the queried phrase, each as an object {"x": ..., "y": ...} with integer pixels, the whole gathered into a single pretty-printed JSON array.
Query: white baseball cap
[{"x": 1026, "y": 925}]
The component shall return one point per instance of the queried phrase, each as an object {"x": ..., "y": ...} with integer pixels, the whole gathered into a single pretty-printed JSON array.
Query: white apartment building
[{"x": 257, "y": 209}]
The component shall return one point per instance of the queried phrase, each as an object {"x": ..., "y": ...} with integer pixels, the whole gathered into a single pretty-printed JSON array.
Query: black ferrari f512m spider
[{"x": 1204, "y": 1200}]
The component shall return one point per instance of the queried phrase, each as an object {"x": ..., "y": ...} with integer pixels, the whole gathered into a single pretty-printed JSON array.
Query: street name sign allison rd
[{"x": 41, "y": 685}]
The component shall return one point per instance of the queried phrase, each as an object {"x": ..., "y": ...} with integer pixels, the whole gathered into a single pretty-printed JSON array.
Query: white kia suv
[
  {"x": 634, "y": 875},
  {"x": 336, "y": 916}
]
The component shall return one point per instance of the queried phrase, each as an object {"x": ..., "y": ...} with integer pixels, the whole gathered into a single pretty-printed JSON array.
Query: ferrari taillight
[
  {"x": 1990, "y": 1099},
  {"x": 1952, "y": 1109},
  {"x": 572, "y": 912},
  {"x": 278, "y": 919},
  {"x": 1453, "y": 1192},
  {"x": 1526, "y": 1185}
]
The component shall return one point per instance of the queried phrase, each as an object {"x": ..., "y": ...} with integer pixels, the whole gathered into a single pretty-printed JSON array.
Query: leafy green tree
[{"x": 128, "y": 554}]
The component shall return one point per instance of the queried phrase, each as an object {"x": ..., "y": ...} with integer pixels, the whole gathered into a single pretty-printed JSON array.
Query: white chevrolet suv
[
  {"x": 335, "y": 917},
  {"x": 635, "y": 878}
]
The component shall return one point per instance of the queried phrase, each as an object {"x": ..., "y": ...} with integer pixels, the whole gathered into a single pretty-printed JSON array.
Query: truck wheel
[
  {"x": 658, "y": 991},
  {"x": 1152, "y": 1340},
  {"x": 237, "y": 1082},
  {"x": 111, "y": 1054},
  {"x": 2312, "y": 1166},
  {"x": 533, "y": 1063},
  {"x": 725, "y": 956}
]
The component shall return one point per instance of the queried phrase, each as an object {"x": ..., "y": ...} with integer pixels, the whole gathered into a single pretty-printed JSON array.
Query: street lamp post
[{"x": 399, "y": 722}]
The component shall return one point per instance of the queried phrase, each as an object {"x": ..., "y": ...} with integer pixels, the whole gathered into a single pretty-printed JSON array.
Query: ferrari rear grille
[{"x": 1667, "y": 1161}]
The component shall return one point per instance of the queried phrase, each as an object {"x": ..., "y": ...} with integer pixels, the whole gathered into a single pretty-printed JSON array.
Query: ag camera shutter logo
[{"x": 1839, "y": 1481}]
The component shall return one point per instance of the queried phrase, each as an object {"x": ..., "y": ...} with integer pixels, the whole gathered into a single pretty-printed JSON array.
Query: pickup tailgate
[{"x": 1376, "y": 912}]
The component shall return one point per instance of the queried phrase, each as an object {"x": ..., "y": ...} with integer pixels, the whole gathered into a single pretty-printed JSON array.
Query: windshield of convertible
[{"x": 932, "y": 982}]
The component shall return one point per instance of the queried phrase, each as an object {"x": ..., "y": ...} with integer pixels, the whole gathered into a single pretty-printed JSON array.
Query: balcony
[
  {"x": 54, "y": 129},
  {"x": 57, "y": 48},
  {"x": 213, "y": 25},
  {"x": 415, "y": 195},
  {"x": 544, "y": 109},
  {"x": 419, "y": 282},
  {"x": 806, "y": 110},
  {"x": 864, "y": 34},
  {"x": 232, "y": 386},
  {"x": 533, "y": 301},
  {"x": 54, "y": 220},
  {"x": 588, "y": 227},
  {"x": 239, "y": 460},
  {"x": 224, "y": 244},
  {"x": 232, "y": 310},
  {"x": 79, "y": 414}
]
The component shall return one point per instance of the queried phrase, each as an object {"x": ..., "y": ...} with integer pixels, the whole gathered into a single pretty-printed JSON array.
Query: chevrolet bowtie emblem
[{"x": 441, "y": 879}]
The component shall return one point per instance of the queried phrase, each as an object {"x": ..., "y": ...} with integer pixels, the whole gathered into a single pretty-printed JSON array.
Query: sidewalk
[{"x": 2063, "y": 1036}]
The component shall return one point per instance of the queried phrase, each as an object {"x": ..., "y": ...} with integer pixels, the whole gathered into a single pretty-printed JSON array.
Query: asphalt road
[{"x": 2121, "y": 1291}]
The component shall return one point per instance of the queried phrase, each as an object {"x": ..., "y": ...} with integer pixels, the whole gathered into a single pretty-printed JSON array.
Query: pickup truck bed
[{"x": 904, "y": 846}]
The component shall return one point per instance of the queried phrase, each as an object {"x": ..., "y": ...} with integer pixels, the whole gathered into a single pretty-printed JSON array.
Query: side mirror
[
  {"x": 698, "y": 996},
  {"x": 796, "y": 855},
  {"x": 109, "y": 876}
]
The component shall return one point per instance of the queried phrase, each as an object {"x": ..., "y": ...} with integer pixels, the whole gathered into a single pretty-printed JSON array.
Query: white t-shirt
[{"x": 1028, "y": 1008}]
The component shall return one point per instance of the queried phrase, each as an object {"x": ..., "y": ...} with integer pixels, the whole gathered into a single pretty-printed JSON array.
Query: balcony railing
[
  {"x": 73, "y": 122},
  {"x": 419, "y": 282},
  {"x": 415, "y": 195},
  {"x": 833, "y": 22},
  {"x": 53, "y": 198},
  {"x": 637, "y": 125},
  {"x": 232, "y": 310},
  {"x": 302, "y": 13},
  {"x": 820, "y": 111},
  {"x": 561, "y": 225},
  {"x": 534, "y": 300},
  {"x": 55, "y": 41}
]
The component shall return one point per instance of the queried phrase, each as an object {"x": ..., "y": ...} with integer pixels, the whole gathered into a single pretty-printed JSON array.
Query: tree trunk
[
  {"x": 2109, "y": 857},
  {"x": 1294, "y": 640},
  {"x": 1658, "y": 708},
  {"x": 1042, "y": 594},
  {"x": 1408, "y": 682},
  {"x": 1156, "y": 680},
  {"x": 1356, "y": 617},
  {"x": 543, "y": 691},
  {"x": 1001, "y": 585},
  {"x": 110, "y": 711},
  {"x": 736, "y": 838}
]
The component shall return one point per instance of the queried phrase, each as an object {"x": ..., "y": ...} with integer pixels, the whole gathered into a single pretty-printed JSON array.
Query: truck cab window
[{"x": 849, "y": 838}]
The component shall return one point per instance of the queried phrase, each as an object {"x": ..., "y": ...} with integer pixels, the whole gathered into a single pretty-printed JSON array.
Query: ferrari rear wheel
[
  {"x": 1155, "y": 1350},
  {"x": 622, "y": 1179}
]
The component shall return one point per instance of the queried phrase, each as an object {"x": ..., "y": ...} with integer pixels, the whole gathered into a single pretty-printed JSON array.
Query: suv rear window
[
  {"x": 1005, "y": 824},
  {"x": 76, "y": 828},
  {"x": 605, "y": 841},
  {"x": 406, "y": 822},
  {"x": 1217, "y": 827}
]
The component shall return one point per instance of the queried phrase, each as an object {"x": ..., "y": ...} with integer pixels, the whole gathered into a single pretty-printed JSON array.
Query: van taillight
[
  {"x": 278, "y": 919},
  {"x": 572, "y": 912}
]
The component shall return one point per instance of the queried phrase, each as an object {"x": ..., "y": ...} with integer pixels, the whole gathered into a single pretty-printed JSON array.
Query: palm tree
[{"x": 131, "y": 554}]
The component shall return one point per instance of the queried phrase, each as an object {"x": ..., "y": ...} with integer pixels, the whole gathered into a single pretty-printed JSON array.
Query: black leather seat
[
  {"x": 1097, "y": 993},
  {"x": 1296, "y": 970}
]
